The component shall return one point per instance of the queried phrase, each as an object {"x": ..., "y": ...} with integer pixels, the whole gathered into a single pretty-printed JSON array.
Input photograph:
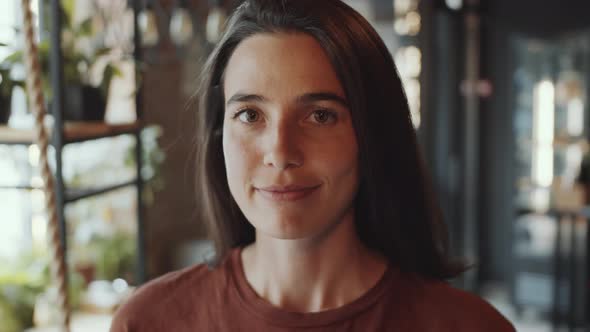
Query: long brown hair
[{"x": 396, "y": 213}]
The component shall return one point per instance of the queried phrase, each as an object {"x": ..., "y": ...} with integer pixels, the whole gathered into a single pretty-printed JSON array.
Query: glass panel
[
  {"x": 551, "y": 128},
  {"x": 550, "y": 123}
]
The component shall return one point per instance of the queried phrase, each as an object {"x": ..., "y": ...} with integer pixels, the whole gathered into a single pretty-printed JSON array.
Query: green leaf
[
  {"x": 43, "y": 49},
  {"x": 102, "y": 51},
  {"x": 68, "y": 7},
  {"x": 84, "y": 29},
  {"x": 107, "y": 75},
  {"x": 116, "y": 71},
  {"x": 13, "y": 58}
]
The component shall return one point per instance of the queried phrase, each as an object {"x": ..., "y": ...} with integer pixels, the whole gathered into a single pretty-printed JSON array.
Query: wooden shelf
[{"x": 73, "y": 132}]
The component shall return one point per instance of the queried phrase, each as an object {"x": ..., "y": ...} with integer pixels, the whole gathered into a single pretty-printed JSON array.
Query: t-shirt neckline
[{"x": 280, "y": 317}]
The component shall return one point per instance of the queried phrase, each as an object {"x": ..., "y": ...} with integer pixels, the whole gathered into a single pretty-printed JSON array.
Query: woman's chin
[{"x": 286, "y": 228}]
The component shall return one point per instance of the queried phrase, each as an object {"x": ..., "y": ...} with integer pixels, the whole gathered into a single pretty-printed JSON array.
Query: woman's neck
[{"x": 311, "y": 275}]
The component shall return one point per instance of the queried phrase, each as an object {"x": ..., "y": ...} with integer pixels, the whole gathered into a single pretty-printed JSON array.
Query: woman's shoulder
[
  {"x": 180, "y": 281},
  {"x": 176, "y": 291},
  {"x": 456, "y": 308}
]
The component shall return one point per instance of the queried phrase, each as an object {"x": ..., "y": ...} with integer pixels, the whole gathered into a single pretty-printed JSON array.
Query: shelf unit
[
  {"x": 73, "y": 132},
  {"x": 63, "y": 133}
]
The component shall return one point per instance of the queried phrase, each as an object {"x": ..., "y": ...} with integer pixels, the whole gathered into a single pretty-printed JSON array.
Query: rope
[{"x": 58, "y": 268}]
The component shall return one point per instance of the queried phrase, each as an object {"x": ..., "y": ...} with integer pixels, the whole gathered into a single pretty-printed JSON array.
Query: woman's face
[{"x": 288, "y": 140}]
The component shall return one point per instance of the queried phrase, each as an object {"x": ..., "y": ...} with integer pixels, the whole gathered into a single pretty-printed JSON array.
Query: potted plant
[
  {"x": 85, "y": 99},
  {"x": 22, "y": 281},
  {"x": 6, "y": 86},
  {"x": 5, "y": 95}
]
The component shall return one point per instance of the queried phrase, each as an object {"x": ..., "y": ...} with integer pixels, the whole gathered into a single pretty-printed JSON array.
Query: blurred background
[{"x": 498, "y": 91}]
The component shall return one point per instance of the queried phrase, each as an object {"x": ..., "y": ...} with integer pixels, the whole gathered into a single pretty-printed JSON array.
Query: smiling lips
[{"x": 286, "y": 193}]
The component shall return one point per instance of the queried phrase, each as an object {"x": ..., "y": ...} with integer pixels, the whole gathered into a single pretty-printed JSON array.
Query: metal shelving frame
[{"x": 60, "y": 138}]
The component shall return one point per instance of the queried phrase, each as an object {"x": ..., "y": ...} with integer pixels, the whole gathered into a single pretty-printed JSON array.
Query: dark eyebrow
[
  {"x": 307, "y": 98},
  {"x": 244, "y": 97}
]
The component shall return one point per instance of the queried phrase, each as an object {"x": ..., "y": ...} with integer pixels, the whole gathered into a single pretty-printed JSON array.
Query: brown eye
[
  {"x": 248, "y": 116},
  {"x": 323, "y": 116}
]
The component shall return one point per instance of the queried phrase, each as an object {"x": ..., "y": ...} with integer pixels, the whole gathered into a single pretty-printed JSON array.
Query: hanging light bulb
[
  {"x": 181, "y": 25},
  {"x": 454, "y": 4},
  {"x": 215, "y": 21},
  {"x": 148, "y": 26}
]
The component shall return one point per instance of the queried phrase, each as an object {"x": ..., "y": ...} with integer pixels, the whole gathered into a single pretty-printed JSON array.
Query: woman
[{"x": 316, "y": 195}]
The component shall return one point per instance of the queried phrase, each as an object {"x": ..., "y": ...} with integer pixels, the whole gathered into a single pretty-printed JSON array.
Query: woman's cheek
[{"x": 238, "y": 155}]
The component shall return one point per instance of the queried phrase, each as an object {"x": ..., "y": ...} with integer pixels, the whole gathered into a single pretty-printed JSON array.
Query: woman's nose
[{"x": 283, "y": 148}]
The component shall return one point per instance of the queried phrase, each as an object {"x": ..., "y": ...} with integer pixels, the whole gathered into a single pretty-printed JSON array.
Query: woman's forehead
[{"x": 280, "y": 65}]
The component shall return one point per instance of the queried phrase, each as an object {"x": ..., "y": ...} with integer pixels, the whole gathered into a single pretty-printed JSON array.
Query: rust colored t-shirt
[{"x": 200, "y": 298}]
